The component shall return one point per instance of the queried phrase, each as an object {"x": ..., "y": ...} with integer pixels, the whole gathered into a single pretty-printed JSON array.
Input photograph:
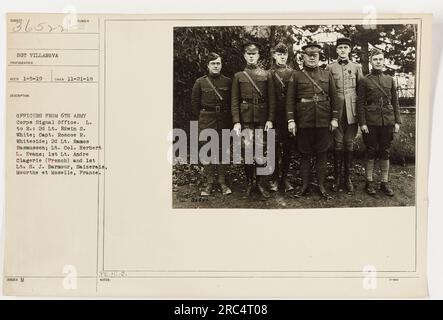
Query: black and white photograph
[
  {"x": 263, "y": 155},
  {"x": 294, "y": 116}
]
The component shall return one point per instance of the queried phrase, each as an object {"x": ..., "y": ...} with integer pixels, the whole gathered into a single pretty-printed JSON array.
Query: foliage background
[{"x": 192, "y": 44}]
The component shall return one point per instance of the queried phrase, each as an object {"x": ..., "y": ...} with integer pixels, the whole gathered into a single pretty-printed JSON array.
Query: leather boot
[
  {"x": 370, "y": 188},
  {"x": 209, "y": 173},
  {"x": 273, "y": 185},
  {"x": 305, "y": 170},
  {"x": 249, "y": 179},
  {"x": 260, "y": 187},
  {"x": 221, "y": 168},
  {"x": 386, "y": 189},
  {"x": 321, "y": 174},
  {"x": 285, "y": 171},
  {"x": 338, "y": 165},
  {"x": 287, "y": 184},
  {"x": 348, "y": 171}
]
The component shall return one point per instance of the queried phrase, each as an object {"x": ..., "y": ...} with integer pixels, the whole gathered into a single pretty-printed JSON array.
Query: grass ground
[
  {"x": 187, "y": 182},
  {"x": 186, "y": 191}
]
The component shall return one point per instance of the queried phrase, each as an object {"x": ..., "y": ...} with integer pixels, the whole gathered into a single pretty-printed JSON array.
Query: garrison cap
[
  {"x": 376, "y": 52},
  {"x": 281, "y": 47},
  {"x": 343, "y": 40},
  {"x": 251, "y": 47}
]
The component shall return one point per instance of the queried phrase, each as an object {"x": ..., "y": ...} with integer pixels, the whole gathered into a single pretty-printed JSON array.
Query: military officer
[
  {"x": 346, "y": 75},
  {"x": 312, "y": 114},
  {"x": 253, "y": 107},
  {"x": 379, "y": 118},
  {"x": 211, "y": 102},
  {"x": 281, "y": 74}
]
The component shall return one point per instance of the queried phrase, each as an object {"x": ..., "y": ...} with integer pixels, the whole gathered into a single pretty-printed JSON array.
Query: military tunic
[
  {"x": 247, "y": 104},
  {"x": 346, "y": 77},
  {"x": 379, "y": 112},
  {"x": 281, "y": 77},
  {"x": 311, "y": 109},
  {"x": 207, "y": 107},
  {"x": 251, "y": 108},
  {"x": 211, "y": 111},
  {"x": 284, "y": 141},
  {"x": 374, "y": 108}
]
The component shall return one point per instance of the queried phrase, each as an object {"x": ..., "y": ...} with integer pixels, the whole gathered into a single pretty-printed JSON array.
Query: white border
[{"x": 435, "y": 216}]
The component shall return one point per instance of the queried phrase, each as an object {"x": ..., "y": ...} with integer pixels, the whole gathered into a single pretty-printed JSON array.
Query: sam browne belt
[
  {"x": 316, "y": 98},
  {"x": 214, "y": 108}
]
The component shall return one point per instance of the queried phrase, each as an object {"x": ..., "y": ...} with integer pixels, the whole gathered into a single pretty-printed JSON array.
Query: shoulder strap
[
  {"x": 379, "y": 87},
  {"x": 314, "y": 83},
  {"x": 279, "y": 79},
  {"x": 253, "y": 83},
  {"x": 215, "y": 90}
]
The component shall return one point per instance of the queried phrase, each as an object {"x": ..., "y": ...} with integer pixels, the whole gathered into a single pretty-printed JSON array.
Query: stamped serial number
[{"x": 245, "y": 309}]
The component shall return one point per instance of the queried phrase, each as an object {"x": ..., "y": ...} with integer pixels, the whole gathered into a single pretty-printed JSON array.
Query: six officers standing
[
  {"x": 346, "y": 76},
  {"x": 308, "y": 108}
]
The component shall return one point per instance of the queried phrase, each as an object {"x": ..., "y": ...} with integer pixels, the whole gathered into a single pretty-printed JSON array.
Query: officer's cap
[
  {"x": 281, "y": 47},
  {"x": 251, "y": 47},
  {"x": 343, "y": 40},
  {"x": 311, "y": 47},
  {"x": 376, "y": 52}
]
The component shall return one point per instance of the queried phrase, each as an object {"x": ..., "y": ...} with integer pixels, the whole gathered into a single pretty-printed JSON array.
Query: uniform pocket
[
  {"x": 207, "y": 119},
  {"x": 261, "y": 112},
  {"x": 244, "y": 106},
  {"x": 245, "y": 112},
  {"x": 387, "y": 84},
  {"x": 300, "y": 107},
  {"x": 389, "y": 114},
  {"x": 323, "y": 110},
  {"x": 208, "y": 95},
  {"x": 354, "y": 105},
  {"x": 245, "y": 88},
  {"x": 371, "y": 108},
  {"x": 304, "y": 84},
  {"x": 338, "y": 81},
  {"x": 324, "y": 84},
  {"x": 262, "y": 83},
  {"x": 303, "y": 112},
  {"x": 223, "y": 90}
]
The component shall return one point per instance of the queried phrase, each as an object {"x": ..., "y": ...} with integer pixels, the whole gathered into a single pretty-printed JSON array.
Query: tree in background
[{"x": 192, "y": 44}]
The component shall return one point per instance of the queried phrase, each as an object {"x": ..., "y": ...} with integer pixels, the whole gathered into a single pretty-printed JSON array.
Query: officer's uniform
[
  {"x": 213, "y": 113},
  {"x": 380, "y": 113},
  {"x": 312, "y": 111},
  {"x": 346, "y": 76},
  {"x": 281, "y": 76},
  {"x": 252, "y": 110}
]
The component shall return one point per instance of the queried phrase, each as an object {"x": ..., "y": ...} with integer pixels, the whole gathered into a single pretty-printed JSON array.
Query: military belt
[
  {"x": 214, "y": 108},
  {"x": 254, "y": 100},
  {"x": 313, "y": 99}
]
